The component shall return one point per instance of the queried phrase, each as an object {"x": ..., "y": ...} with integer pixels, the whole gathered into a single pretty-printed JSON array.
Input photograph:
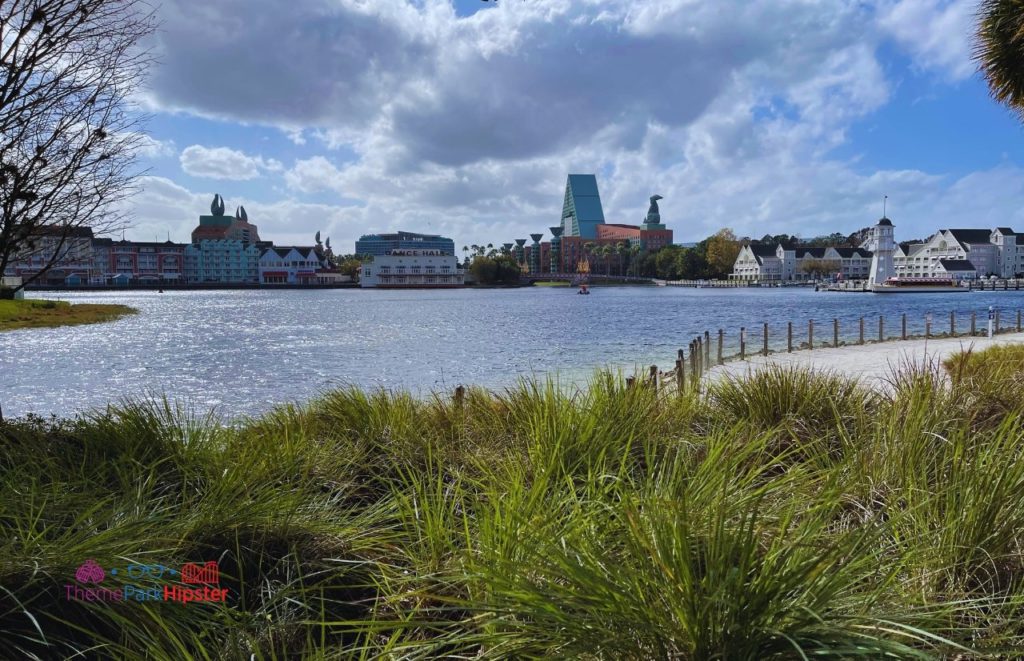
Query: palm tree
[
  {"x": 623, "y": 250},
  {"x": 999, "y": 51},
  {"x": 634, "y": 252},
  {"x": 606, "y": 253}
]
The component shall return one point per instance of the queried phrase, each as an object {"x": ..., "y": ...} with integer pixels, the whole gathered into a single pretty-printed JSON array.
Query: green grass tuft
[{"x": 790, "y": 515}]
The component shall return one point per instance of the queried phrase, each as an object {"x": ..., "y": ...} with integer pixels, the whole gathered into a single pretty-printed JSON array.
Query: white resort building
[
  {"x": 962, "y": 253},
  {"x": 766, "y": 263},
  {"x": 296, "y": 265},
  {"x": 957, "y": 254},
  {"x": 405, "y": 268}
]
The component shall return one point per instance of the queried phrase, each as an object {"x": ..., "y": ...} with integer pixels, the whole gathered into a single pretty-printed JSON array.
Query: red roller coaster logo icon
[{"x": 194, "y": 573}]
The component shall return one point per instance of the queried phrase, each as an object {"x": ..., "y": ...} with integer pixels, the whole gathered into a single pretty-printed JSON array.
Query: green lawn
[
  {"x": 789, "y": 515},
  {"x": 34, "y": 313}
]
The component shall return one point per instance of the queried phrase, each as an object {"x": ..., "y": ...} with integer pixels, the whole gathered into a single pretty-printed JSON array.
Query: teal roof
[
  {"x": 582, "y": 210},
  {"x": 215, "y": 221}
]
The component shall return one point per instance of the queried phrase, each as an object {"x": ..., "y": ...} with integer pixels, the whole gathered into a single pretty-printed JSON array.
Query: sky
[{"x": 463, "y": 118}]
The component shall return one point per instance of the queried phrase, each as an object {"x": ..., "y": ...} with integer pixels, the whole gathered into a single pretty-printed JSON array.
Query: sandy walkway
[{"x": 871, "y": 362}]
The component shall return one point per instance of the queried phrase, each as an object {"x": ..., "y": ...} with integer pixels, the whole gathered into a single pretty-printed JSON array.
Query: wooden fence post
[
  {"x": 707, "y": 351},
  {"x": 927, "y": 325},
  {"x": 860, "y": 338},
  {"x": 903, "y": 327},
  {"x": 996, "y": 329},
  {"x": 1018, "y": 321},
  {"x": 835, "y": 333},
  {"x": 974, "y": 317},
  {"x": 680, "y": 375},
  {"x": 460, "y": 396},
  {"x": 952, "y": 323},
  {"x": 721, "y": 341},
  {"x": 653, "y": 374},
  {"x": 764, "y": 348},
  {"x": 789, "y": 337},
  {"x": 743, "y": 343},
  {"x": 810, "y": 333},
  {"x": 700, "y": 355},
  {"x": 881, "y": 328}
]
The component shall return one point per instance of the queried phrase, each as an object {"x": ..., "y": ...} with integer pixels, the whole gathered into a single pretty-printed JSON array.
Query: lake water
[{"x": 244, "y": 351}]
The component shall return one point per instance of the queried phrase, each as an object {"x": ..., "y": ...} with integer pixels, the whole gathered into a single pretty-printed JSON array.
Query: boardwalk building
[
  {"x": 412, "y": 269},
  {"x": 382, "y": 244},
  {"x": 294, "y": 265},
  {"x": 991, "y": 252}
]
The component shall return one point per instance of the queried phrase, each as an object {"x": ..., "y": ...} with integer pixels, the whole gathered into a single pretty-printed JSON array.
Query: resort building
[
  {"x": 406, "y": 268},
  {"x": 583, "y": 230},
  {"x": 223, "y": 261},
  {"x": 382, "y": 244},
  {"x": 581, "y": 209},
  {"x": 137, "y": 261},
  {"x": 291, "y": 265},
  {"x": 217, "y": 226},
  {"x": 956, "y": 269},
  {"x": 70, "y": 249},
  {"x": 224, "y": 251},
  {"x": 992, "y": 252},
  {"x": 757, "y": 262}
]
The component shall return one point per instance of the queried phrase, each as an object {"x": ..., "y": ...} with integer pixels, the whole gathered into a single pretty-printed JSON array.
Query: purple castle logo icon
[{"x": 90, "y": 572}]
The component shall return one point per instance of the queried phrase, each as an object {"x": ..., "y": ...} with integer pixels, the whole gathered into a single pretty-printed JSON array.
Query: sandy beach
[{"x": 872, "y": 363}]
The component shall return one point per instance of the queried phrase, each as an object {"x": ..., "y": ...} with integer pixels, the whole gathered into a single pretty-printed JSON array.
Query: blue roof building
[
  {"x": 382, "y": 244},
  {"x": 581, "y": 210}
]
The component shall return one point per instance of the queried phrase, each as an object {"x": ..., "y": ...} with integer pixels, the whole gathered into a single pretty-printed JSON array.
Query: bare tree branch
[{"x": 68, "y": 133}]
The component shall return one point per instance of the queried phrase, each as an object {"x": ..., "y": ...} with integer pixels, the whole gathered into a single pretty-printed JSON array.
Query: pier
[{"x": 754, "y": 345}]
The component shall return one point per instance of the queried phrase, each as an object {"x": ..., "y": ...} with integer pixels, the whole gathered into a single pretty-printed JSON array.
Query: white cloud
[
  {"x": 936, "y": 32},
  {"x": 468, "y": 126},
  {"x": 150, "y": 147},
  {"x": 313, "y": 175},
  {"x": 225, "y": 163}
]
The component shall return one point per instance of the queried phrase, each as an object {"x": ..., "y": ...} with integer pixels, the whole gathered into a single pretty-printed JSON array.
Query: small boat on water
[
  {"x": 897, "y": 285},
  {"x": 584, "y": 290}
]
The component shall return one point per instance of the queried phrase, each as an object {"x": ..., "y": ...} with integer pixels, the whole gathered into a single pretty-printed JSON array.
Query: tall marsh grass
[{"x": 788, "y": 515}]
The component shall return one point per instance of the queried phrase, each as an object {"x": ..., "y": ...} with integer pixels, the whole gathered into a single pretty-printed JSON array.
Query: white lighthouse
[{"x": 883, "y": 244}]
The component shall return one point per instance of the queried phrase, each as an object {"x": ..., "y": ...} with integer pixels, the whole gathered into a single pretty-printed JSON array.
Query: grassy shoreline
[
  {"x": 791, "y": 513},
  {"x": 40, "y": 313}
]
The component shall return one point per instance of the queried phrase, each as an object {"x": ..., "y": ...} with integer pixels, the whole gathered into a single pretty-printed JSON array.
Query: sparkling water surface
[{"x": 244, "y": 351}]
